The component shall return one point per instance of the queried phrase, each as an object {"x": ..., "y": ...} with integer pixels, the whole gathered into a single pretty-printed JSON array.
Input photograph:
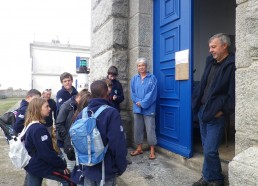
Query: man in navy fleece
[
  {"x": 67, "y": 90},
  {"x": 111, "y": 129}
]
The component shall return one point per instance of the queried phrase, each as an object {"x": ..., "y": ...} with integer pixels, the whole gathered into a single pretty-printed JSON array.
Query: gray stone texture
[
  {"x": 140, "y": 31},
  {"x": 111, "y": 35},
  {"x": 107, "y": 10},
  {"x": 246, "y": 78},
  {"x": 143, "y": 7},
  {"x": 241, "y": 40},
  {"x": 238, "y": 2},
  {"x": 243, "y": 169},
  {"x": 109, "y": 43}
]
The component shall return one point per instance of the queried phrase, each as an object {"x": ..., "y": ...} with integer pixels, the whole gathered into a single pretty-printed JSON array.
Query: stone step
[{"x": 195, "y": 162}]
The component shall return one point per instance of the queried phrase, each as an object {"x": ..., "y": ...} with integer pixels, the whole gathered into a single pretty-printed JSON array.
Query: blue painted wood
[{"x": 173, "y": 33}]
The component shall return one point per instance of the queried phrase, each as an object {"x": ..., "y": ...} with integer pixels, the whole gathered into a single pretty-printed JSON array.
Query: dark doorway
[{"x": 211, "y": 17}]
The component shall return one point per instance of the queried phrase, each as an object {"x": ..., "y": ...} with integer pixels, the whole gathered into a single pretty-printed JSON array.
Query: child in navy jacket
[{"x": 44, "y": 162}]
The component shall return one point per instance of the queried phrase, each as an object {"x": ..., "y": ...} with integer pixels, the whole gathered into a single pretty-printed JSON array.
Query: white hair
[{"x": 142, "y": 60}]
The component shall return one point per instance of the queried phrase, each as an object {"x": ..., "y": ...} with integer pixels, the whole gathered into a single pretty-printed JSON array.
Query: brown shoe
[{"x": 136, "y": 152}]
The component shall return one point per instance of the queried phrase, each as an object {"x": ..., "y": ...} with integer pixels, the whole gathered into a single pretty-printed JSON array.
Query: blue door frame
[{"x": 172, "y": 33}]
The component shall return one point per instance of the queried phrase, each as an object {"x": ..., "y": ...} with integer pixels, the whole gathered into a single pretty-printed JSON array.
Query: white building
[{"x": 50, "y": 60}]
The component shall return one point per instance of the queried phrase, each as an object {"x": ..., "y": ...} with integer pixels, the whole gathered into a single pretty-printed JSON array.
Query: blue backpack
[{"x": 86, "y": 138}]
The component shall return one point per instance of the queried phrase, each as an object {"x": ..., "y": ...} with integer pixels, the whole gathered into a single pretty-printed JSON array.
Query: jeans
[
  {"x": 110, "y": 182},
  {"x": 149, "y": 122},
  {"x": 211, "y": 135},
  {"x": 37, "y": 181}
]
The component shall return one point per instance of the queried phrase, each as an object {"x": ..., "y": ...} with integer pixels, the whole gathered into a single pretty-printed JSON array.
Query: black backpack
[{"x": 6, "y": 123}]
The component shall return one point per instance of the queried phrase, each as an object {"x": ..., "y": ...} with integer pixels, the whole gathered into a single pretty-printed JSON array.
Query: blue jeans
[
  {"x": 110, "y": 182},
  {"x": 37, "y": 181},
  {"x": 149, "y": 122},
  {"x": 211, "y": 135}
]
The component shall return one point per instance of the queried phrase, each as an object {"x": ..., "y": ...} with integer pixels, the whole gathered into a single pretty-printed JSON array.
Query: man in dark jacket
[
  {"x": 213, "y": 101},
  {"x": 111, "y": 129},
  {"x": 20, "y": 115}
]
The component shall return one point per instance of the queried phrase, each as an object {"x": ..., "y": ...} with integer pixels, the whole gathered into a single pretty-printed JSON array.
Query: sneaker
[{"x": 201, "y": 182}]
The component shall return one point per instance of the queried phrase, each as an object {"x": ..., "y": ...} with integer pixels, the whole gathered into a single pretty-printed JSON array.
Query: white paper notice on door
[{"x": 182, "y": 65}]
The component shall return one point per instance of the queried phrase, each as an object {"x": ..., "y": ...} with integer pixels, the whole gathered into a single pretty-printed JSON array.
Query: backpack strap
[
  {"x": 85, "y": 112},
  {"x": 25, "y": 129},
  {"x": 96, "y": 114}
]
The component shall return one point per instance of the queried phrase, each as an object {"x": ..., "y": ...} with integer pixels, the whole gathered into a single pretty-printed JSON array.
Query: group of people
[
  {"x": 43, "y": 112},
  {"x": 213, "y": 100}
]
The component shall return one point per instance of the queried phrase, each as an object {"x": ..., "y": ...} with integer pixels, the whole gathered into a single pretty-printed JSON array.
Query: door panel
[{"x": 172, "y": 33}]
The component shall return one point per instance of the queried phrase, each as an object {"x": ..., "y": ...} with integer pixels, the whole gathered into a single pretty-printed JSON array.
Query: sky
[{"x": 25, "y": 21}]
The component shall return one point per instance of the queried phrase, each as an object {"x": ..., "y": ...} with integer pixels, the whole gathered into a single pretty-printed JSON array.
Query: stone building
[{"x": 123, "y": 30}]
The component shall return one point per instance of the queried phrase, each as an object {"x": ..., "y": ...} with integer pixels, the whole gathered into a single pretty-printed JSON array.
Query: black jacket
[
  {"x": 64, "y": 121},
  {"x": 221, "y": 96},
  {"x": 117, "y": 90}
]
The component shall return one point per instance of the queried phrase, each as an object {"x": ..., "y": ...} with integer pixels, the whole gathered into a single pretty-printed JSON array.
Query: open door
[{"x": 173, "y": 33}]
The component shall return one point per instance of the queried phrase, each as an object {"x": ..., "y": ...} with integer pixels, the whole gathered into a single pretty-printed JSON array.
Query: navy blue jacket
[
  {"x": 63, "y": 95},
  {"x": 44, "y": 159},
  {"x": 63, "y": 120},
  {"x": 117, "y": 90},
  {"x": 111, "y": 129},
  {"x": 49, "y": 119},
  {"x": 20, "y": 117},
  {"x": 221, "y": 96}
]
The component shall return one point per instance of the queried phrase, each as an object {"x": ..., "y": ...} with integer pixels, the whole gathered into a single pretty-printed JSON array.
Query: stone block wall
[
  {"x": 243, "y": 168},
  {"x": 246, "y": 75},
  {"x": 109, "y": 46}
]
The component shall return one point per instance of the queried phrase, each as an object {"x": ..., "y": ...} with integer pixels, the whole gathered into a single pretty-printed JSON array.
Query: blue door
[{"x": 173, "y": 33}]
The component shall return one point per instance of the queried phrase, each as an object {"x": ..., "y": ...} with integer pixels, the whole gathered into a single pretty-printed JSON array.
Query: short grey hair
[
  {"x": 142, "y": 60},
  {"x": 224, "y": 39}
]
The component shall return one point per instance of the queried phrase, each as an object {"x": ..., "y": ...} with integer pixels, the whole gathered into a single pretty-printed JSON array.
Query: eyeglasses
[{"x": 48, "y": 89}]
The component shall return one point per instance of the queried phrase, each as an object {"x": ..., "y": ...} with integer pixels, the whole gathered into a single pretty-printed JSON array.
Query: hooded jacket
[
  {"x": 221, "y": 95},
  {"x": 111, "y": 130}
]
